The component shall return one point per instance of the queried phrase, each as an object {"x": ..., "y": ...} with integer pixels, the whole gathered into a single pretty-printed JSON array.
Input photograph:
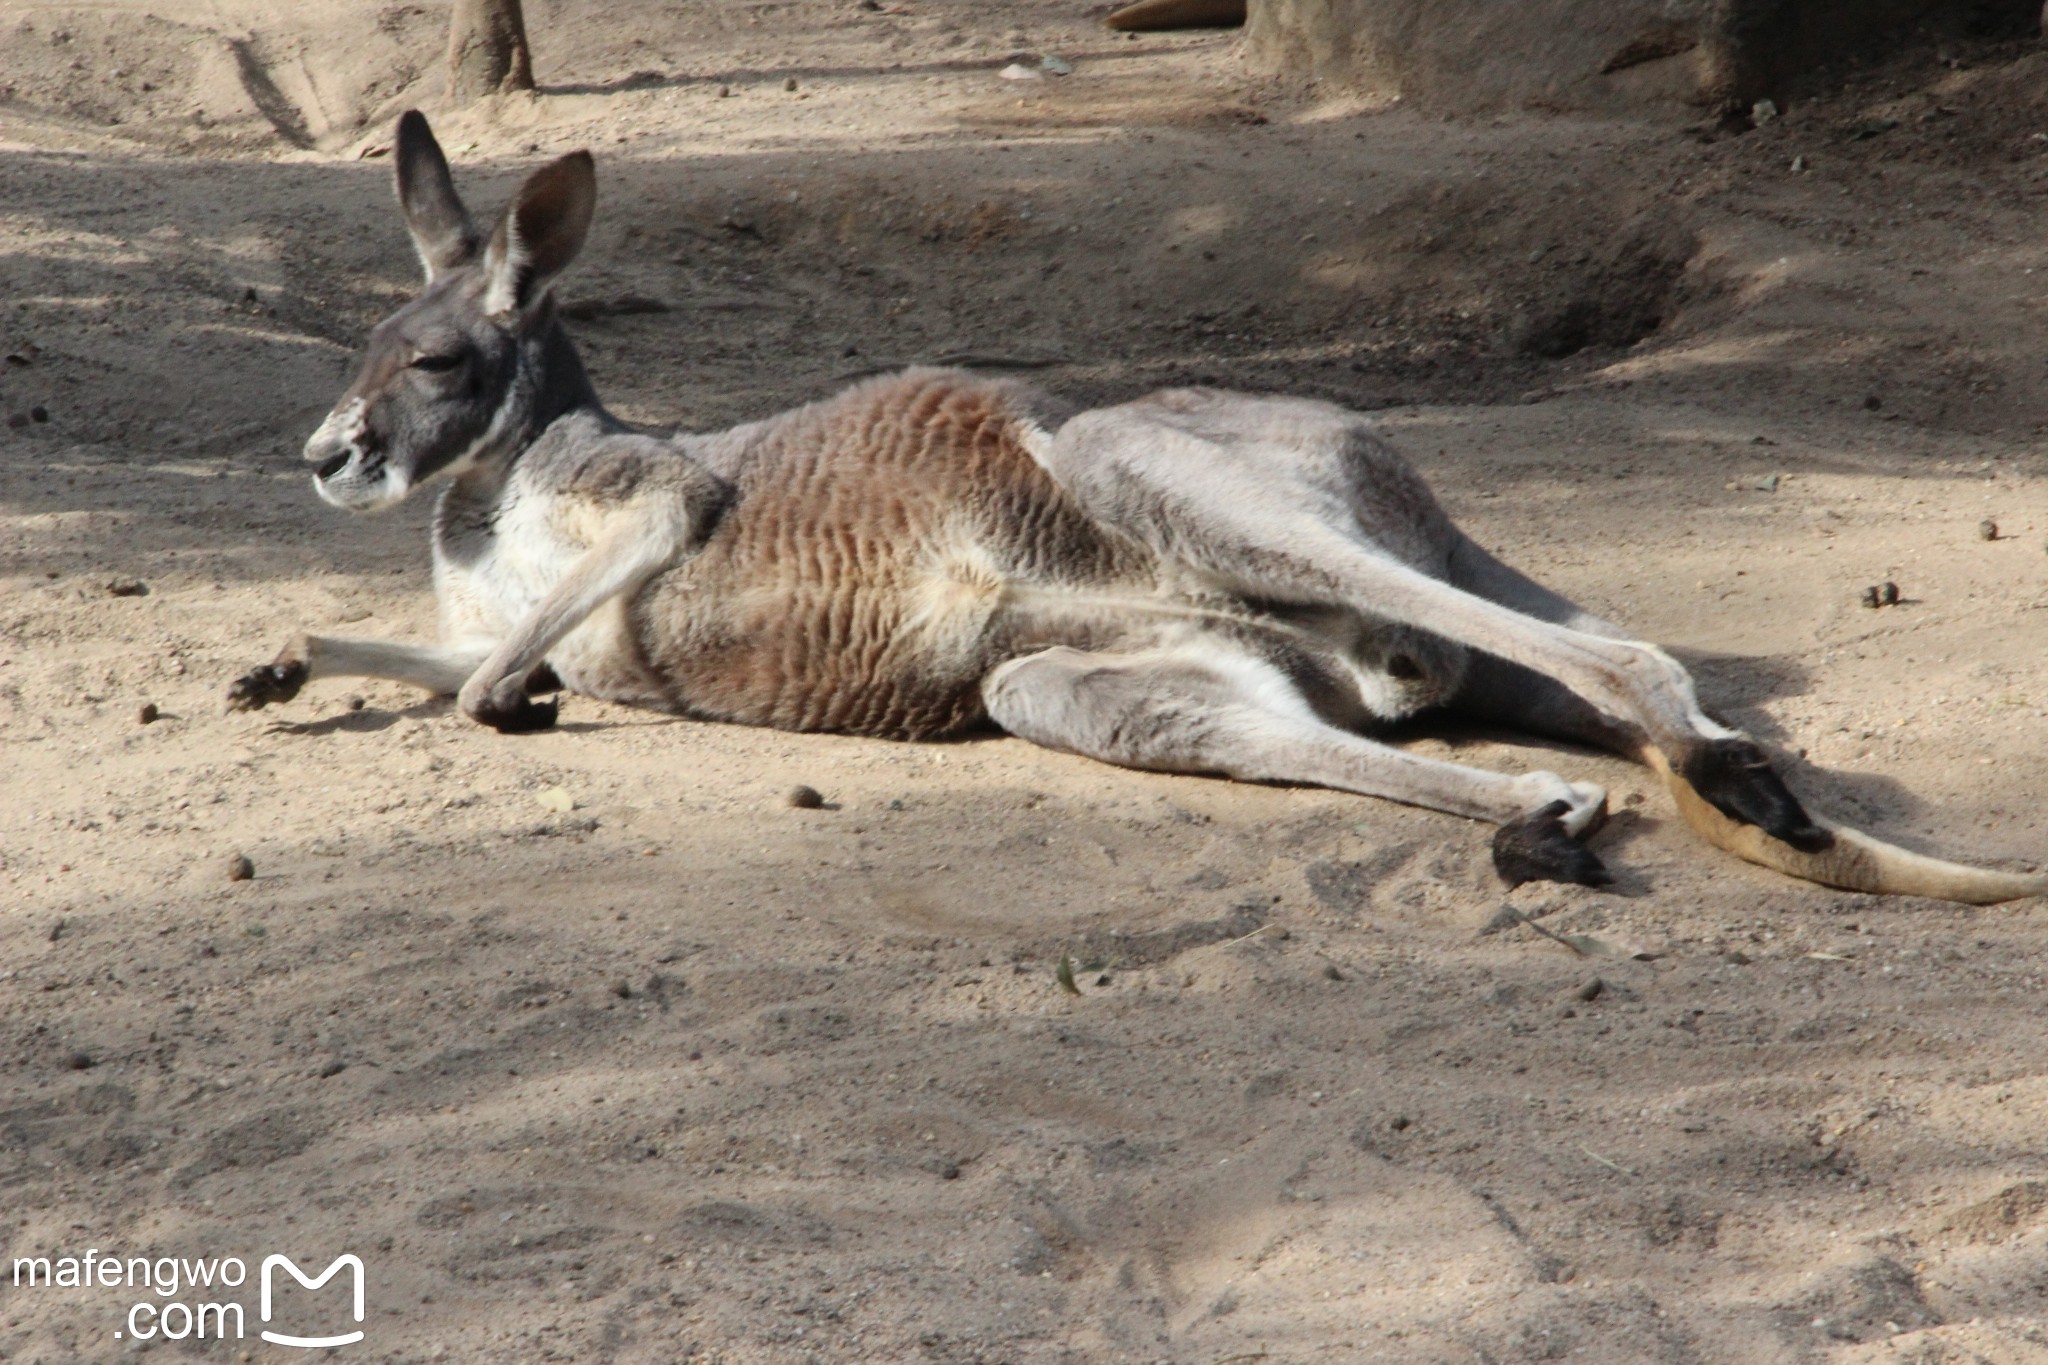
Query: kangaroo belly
[{"x": 859, "y": 582}]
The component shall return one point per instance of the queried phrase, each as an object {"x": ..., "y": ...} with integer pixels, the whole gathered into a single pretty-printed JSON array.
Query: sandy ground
[{"x": 683, "y": 1073}]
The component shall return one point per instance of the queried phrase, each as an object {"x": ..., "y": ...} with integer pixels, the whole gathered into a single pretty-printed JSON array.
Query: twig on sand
[{"x": 1610, "y": 1165}]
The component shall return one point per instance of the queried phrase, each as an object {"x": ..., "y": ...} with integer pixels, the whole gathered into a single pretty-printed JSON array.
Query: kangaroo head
[{"x": 470, "y": 370}]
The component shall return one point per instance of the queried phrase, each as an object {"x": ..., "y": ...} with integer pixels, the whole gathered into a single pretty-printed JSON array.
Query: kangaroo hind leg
[
  {"x": 1209, "y": 707},
  {"x": 1298, "y": 501}
]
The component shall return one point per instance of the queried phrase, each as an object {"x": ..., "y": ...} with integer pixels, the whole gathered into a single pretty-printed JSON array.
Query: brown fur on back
[{"x": 857, "y": 583}]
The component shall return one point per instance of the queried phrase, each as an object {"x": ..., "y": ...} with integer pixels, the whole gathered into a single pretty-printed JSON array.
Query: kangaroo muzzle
[{"x": 351, "y": 472}]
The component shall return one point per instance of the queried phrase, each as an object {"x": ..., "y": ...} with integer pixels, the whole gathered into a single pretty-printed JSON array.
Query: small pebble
[
  {"x": 725, "y": 92},
  {"x": 148, "y": 714},
  {"x": 123, "y": 586},
  {"x": 80, "y": 1061},
  {"x": 1399, "y": 1123},
  {"x": 789, "y": 84},
  {"x": 240, "y": 869},
  {"x": 39, "y": 413},
  {"x": 805, "y": 798},
  {"x": 1331, "y": 972},
  {"x": 1591, "y": 990},
  {"x": 622, "y": 988},
  {"x": 1987, "y": 529},
  {"x": 1888, "y": 594},
  {"x": 1871, "y": 402}
]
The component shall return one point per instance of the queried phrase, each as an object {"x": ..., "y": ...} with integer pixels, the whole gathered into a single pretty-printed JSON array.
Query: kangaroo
[{"x": 1195, "y": 581}]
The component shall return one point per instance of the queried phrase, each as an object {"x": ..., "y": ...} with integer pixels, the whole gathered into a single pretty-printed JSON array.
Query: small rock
[
  {"x": 1872, "y": 402},
  {"x": 240, "y": 869},
  {"x": 725, "y": 92},
  {"x": 1399, "y": 1123},
  {"x": 869, "y": 5},
  {"x": 805, "y": 798},
  {"x": 789, "y": 84},
  {"x": 1987, "y": 529},
  {"x": 1017, "y": 71},
  {"x": 356, "y": 703},
  {"x": 80, "y": 1061},
  {"x": 622, "y": 988},
  {"x": 333, "y": 1068},
  {"x": 147, "y": 714},
  {"x": 39, "y": 413},
  {"x": 940, "y": 1167},
  {"x": 1331, "y": 972},
  {"x": 1888, "y": 594},
  {"x": 1591, "y": 990},
  {"x": 1056, "y": 66},
  {"x": 1798, "y": 165},
  {"x": 123, "y": 586},
  {"x": 1762, "y": 112},
  {"x": 1735, "y": 958}
]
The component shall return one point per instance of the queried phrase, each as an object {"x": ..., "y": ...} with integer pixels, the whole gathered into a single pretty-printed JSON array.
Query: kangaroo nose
[{"x": 341, "y": 435}]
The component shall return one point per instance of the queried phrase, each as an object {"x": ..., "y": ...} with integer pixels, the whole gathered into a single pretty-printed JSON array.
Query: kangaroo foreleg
[
  {"x": 439, "y": 669},
  {"x": 642, "y": 540}
]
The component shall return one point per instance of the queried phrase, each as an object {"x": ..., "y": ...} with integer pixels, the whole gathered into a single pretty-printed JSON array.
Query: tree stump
[{"x": 487, "y": 52}]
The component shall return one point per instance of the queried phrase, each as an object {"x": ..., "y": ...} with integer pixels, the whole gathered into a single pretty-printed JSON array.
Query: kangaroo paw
[
  {"x": 1536, "y": 848},
  {"x": 1735, "y": 778},
  {"x": 523, "y": 716},
  {"x": 261, "y": 686}
]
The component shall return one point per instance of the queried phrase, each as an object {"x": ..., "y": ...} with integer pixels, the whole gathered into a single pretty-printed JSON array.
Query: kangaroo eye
[{"x": 437, "y": 364}]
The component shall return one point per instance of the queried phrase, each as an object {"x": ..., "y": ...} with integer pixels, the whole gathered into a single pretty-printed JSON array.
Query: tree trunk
[{"x": 487, "y": 50}]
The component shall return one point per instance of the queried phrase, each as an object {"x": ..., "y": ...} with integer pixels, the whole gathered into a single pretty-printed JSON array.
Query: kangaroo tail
[{"x": 1853, "y": 861}]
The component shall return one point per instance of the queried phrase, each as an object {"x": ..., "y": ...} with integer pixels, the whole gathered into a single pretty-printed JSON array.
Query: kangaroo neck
[{"x": 561, "y": 385}]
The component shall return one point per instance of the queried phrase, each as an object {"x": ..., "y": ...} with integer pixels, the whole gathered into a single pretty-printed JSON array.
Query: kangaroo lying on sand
[{"x": 1196, "y": 581}]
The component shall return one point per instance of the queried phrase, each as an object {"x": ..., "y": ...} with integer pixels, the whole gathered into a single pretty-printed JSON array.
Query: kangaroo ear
[
  {"x": 541, "y": 232},
  {"x": 440, "y": 226}
]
